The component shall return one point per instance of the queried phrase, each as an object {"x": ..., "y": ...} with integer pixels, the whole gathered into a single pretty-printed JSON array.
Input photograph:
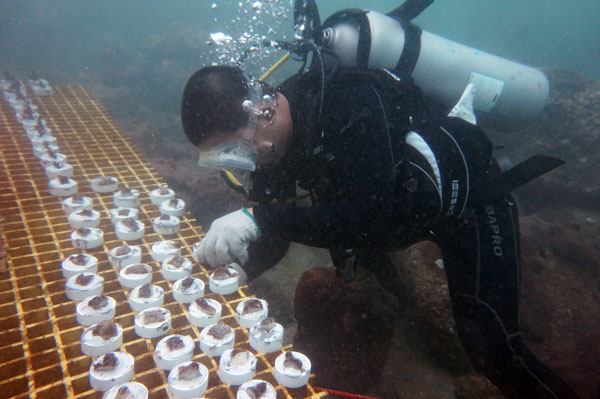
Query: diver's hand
[{"x": 227, "y": 239}]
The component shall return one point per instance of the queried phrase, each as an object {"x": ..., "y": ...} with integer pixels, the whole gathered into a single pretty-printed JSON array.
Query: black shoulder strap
[
  {"x": 412, "y": 48},
  {"x": 410, "y": 9}
]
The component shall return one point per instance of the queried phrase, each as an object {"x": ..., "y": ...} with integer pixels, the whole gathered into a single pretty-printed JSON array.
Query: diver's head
[{"x": 235, "y": 121}]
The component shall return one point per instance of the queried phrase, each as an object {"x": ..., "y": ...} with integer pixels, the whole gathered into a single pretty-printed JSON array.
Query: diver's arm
[{"x": 335, "y": 224}]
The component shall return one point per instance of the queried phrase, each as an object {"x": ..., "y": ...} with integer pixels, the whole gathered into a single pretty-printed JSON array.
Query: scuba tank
[{"x": 506, "y": 94}]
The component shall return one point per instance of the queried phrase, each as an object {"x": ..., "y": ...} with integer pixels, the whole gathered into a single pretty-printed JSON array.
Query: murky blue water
[
  {"x": 136, "y": 55},
  {"x": 146, "y": 49},
  {"x": 66, "y": 37}
]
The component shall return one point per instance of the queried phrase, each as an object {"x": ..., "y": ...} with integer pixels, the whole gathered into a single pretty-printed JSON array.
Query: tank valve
[{"x": 327, "y": 34}]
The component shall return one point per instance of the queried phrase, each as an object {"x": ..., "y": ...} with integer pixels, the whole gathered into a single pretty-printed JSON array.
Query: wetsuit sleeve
[{"x": 358, "y": 152}]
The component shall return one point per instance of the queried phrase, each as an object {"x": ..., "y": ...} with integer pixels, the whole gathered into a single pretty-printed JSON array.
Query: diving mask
[{"x": 240, "y": 153}]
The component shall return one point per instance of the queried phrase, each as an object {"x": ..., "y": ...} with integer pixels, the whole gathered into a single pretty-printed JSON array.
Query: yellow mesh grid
[{"x": 40, "y": 354}]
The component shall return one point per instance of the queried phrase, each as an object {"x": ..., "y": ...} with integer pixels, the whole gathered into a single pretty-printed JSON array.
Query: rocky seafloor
[{"x": 418, "y": 355}]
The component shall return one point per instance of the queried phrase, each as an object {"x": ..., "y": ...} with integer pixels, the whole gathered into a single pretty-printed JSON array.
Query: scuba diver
[{"x": 385, "y": 166}]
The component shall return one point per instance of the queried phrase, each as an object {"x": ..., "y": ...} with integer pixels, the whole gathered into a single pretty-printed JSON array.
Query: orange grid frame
[{"x": 40, "y": 354}]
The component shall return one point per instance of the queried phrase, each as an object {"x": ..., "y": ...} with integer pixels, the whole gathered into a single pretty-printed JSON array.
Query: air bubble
[{"x": 266, "y": 22}]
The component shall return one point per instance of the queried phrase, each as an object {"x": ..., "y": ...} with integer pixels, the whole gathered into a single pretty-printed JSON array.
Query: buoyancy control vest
[{"x": 448, "y": 151}]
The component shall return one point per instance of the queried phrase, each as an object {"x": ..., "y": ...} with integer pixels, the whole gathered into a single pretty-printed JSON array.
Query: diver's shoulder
[{"x": 299, "y": 82}]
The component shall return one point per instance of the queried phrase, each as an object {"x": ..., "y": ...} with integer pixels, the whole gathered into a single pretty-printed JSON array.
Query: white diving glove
[{"x": 227, "y": 239}]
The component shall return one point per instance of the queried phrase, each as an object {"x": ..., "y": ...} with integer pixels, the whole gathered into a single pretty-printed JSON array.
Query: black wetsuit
[{"x": 386, "y": 169}]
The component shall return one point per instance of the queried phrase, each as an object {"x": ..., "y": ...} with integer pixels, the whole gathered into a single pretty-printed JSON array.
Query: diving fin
[
  {"x": 528, "y": 170},
  {"x": 409, "y": 10}
]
